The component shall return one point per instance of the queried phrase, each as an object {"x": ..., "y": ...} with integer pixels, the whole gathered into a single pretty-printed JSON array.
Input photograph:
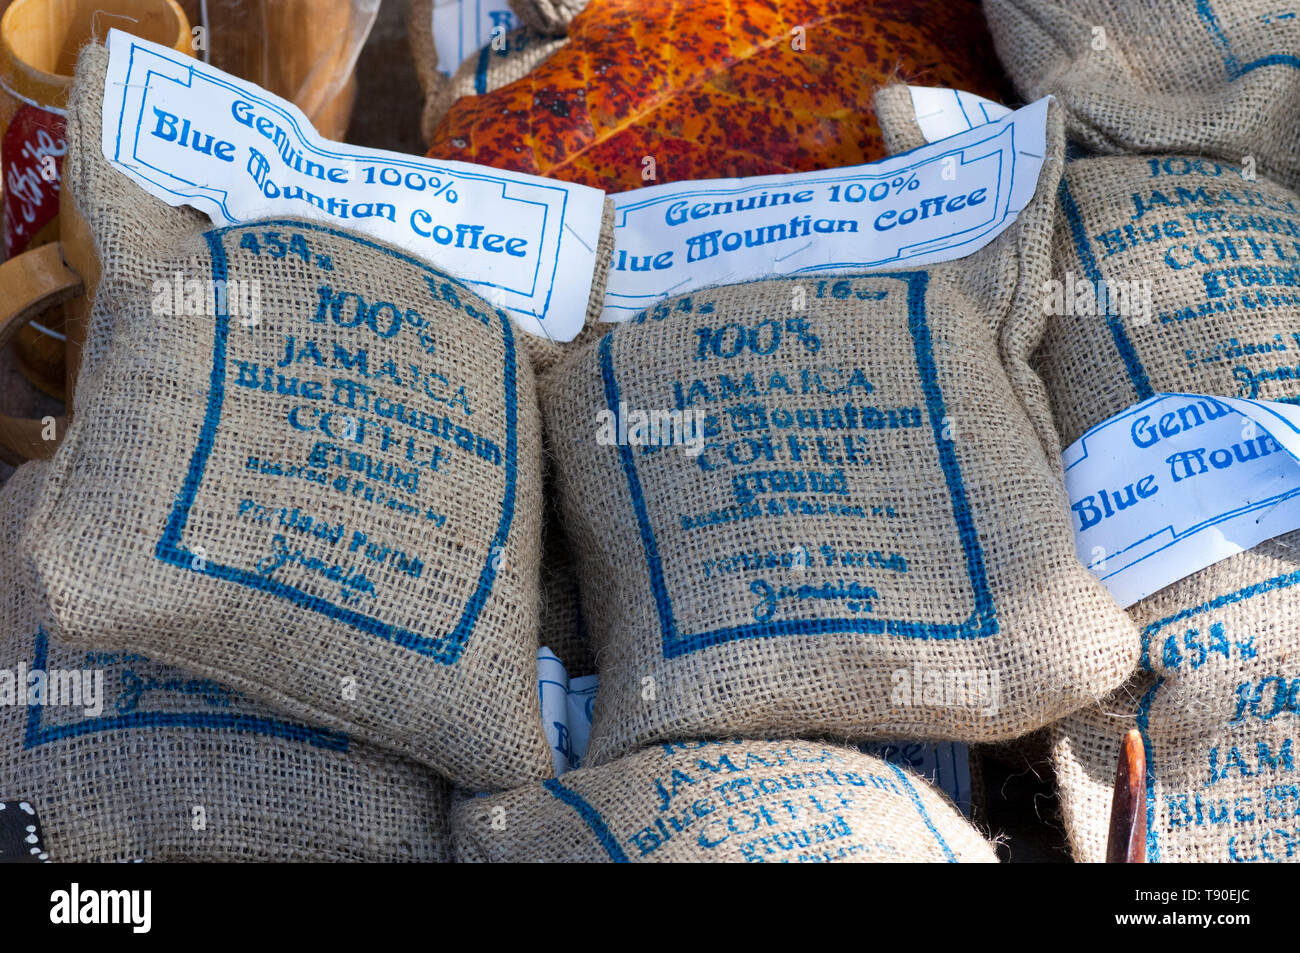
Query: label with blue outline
[
  {"x": 567, "y": 707},
  {"x": 461, "y": 28},
  {"x": 1177, "y": 483},
  {"x": 945, "y": 764},
  {"x": 190, "y": 134},
  {"x": 143, "y": 695},
  {"x": 823, "y": 481},
  {"x": 388, "y": 460},
  {"x": 943, "y": 201},
  {"x": 942, "y": 112}
]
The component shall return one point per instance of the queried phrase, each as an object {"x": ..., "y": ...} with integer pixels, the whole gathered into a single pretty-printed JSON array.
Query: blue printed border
[
  {"x": 591, "y": 817},
  {"x": 982, "y": 621},
  {"x": 444, "y": 649},
  {"x": 609, "y": 843},
  {"x": 40, "y": 734},
  {"x": 912, "y": 793},
  {"x": 393, "y": 159},
  {"x": 1235, "y": 68},
  {"x": 1128, "y": 353},
  {"x": 1177, "y": 536}
]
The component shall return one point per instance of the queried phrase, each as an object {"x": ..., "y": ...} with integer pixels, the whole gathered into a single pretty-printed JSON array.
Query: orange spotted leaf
[{"x": 711, "y": 88}]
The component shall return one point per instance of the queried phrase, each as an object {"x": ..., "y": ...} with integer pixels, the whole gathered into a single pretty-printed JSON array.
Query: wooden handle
[
  {"x": 29, "y": 284},
  {"x": 1127, "y": 843}
]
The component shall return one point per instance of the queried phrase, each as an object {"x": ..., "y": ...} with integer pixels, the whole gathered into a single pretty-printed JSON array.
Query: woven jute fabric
[
  {"x": 563, "y": 629},
  {"x": 723, "y": 802},
  {"x": 167, "y": 766},
  {"x": 547, "y": 17},
  {"x": 1219, "y": 738},
  {"x": 333, "y": 504},
  {"x": 897, "y": 118},
  {"x": 424, "y": 54},
  {"x": 874, "y": 512},
  {"x": 523, "y": 49},
  {"x": 1212, "y": 77}
]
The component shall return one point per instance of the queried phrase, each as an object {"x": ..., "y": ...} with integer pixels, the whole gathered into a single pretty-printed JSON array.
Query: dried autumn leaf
[{"x": 713, "y": 88}]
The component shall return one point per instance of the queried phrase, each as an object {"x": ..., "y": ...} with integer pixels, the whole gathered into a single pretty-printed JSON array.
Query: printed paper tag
[
  {"x": 567, "y": 708},
  {"x": 20, "y": 834},
  {"x": 945, "y": 764},
  {"x": 945, "y": 112},
  {"x": 940, "y": 202},
  {"x": 1179, "y": 482},
  {"x": 193, "y": 135},
  {"x": 462, "y": 27}
]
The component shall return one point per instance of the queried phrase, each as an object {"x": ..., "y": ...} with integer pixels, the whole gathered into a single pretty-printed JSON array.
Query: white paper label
[
  {"x": 945, "y": 112},
  {"x": 567, "y": 706},
  {"x": 463, "y": 27},
  {"x": 940, "y": 202},
  {"x": 1179, "y": 482},
  {"x": 193, "y": 135}
]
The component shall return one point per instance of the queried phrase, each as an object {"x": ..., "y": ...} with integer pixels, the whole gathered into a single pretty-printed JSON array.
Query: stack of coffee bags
[
  {"x": 240, "y": 501},
  {"x": 1201, "y": 229},
  {"x": 109, "y": 756},
  {"x": 936, "y": 542}
]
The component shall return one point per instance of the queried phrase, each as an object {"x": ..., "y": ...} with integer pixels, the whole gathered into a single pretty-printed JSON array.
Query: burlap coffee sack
[
  {"x": 1212, "y": 77},
  {"x": 361, "y": 548},
  {"x": 1216, "y": 252},
  {"x": 168, "y": 766},
  {"x": 722, "y": 802},
  {"x": 1209, "y": 252},
  {"x": 718, "y": 607},
  {"x": 548, "y": 17},
  {"x": 1197, "y": 261},
  {"x": 488, "y": 69}
]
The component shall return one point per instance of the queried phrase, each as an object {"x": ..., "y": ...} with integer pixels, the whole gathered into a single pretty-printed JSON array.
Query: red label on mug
[{"x": 34, "y": 145}]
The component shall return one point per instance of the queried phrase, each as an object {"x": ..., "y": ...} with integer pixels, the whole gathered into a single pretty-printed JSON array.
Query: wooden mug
[
  {"x": 39, "y": 43},
  {"x": 60, "y": 273},
  {"x": 301, "y": 50}
]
